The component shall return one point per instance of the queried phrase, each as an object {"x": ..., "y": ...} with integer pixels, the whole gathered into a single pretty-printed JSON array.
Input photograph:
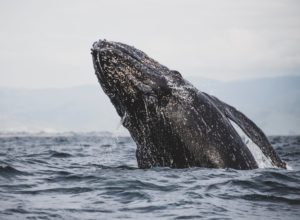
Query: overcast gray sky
[{"x": 47, "y": 43}]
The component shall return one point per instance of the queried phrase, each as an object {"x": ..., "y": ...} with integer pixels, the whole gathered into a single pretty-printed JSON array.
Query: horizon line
[{"x": 190, "y": 76}]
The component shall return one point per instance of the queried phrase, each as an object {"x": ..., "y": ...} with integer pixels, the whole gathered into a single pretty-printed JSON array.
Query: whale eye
[{"x": 161, "y": 87}]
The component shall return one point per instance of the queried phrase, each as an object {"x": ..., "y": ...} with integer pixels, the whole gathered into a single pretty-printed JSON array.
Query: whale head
[{"x": 133, "y": 81}]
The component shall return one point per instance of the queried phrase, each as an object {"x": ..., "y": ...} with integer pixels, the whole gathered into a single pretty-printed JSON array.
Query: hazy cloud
[{"x": 47, "y": 43}]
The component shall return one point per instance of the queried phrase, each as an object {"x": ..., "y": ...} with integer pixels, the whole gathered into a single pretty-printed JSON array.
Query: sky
[{"x": 47, "y": 43}]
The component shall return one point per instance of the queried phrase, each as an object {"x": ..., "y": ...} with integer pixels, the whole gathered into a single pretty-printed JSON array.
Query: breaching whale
[{"x": 172, "y": 123}]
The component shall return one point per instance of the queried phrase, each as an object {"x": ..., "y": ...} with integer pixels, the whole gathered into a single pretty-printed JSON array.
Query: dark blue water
[{"x": 95, "y": 176}]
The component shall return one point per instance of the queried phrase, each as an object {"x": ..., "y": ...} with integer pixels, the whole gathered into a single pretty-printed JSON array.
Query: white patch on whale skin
[
  {"x": 262, "y": 160},
  {"x": 123, "y": 118}
]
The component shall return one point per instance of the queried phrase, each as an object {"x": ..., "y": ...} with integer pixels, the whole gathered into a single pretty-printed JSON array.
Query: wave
[
  {"x": 79, "y": 176},
  {"x": 6, "y": 170},
  {"x": 121, "y": 167},
  {"x": 60, "y": 154},
  {"x": 67, "y": 190},
  {"x": 270, "y": 198}
]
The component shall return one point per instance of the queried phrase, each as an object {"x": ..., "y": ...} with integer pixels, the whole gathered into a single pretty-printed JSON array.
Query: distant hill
[
  {"x": 272, "y": 103},
  {"x": 82, "y": 108}
]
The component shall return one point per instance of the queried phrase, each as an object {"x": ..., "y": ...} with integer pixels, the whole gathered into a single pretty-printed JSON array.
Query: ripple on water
[
  {"x": 6, "y": 171},
  {"x": 88, "y": 176},
  {"x": 60, "y": 154}
]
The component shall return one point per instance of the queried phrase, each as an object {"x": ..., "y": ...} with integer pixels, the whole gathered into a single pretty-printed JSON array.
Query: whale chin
[{"x": 172, "y": 123}]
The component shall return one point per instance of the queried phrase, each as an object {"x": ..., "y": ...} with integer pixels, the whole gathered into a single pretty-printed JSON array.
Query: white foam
[
  {"x": 261, "y": 159},
  {"x": 288, "y": 167}
]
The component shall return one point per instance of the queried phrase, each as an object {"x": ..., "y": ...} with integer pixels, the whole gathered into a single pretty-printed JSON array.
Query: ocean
[{"x": 95, "y": 176}]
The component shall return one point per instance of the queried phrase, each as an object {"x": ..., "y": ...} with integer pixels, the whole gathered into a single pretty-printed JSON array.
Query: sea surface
[{"x": 95, "y": 176}]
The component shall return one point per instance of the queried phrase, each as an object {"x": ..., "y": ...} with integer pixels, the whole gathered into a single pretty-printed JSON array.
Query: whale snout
[{"x": 102, "y": 45}]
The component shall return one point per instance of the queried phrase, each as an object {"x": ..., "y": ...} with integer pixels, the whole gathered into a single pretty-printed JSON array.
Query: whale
[{"x": 173, "y": 123}]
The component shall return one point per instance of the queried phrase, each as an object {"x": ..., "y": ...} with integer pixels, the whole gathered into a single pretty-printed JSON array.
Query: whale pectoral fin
[{"x": 250, "y": 129}]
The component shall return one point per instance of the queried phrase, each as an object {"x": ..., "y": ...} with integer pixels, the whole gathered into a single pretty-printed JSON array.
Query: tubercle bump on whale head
[{"x": 129, "y": 76}]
